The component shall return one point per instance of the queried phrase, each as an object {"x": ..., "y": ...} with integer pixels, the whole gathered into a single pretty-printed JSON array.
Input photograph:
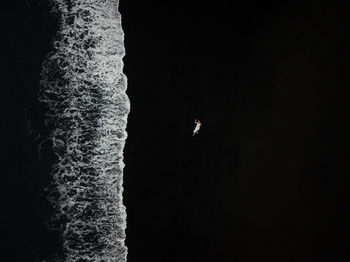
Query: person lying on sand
[{"x": 198, "y": 126}]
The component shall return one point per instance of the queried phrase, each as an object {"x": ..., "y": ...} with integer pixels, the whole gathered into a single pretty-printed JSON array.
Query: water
[{"x": 83, "y": 88}]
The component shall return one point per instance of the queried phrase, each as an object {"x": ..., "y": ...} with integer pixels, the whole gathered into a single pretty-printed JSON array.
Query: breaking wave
[{"x": 83, "y": 88}]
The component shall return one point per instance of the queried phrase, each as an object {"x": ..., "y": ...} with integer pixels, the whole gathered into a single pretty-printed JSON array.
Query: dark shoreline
[{"x": 267, "y": 175}]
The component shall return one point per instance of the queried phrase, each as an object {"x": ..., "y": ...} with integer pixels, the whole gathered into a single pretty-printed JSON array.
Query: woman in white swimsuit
[{"x": 198, "y": 126}]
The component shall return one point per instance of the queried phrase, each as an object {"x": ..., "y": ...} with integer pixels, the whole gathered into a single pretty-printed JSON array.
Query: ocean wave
[{"x": 84, "y": 90}]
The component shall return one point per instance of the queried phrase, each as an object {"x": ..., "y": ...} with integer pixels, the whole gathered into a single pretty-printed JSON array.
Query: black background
[{"x": 267, "y": 176}]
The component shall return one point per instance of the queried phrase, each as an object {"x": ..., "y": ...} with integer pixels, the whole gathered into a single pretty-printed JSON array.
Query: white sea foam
[{"x": 83, "y": 86}]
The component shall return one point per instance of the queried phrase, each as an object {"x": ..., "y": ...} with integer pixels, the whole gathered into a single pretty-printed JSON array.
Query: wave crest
[{"x": 83, "y": 87}]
